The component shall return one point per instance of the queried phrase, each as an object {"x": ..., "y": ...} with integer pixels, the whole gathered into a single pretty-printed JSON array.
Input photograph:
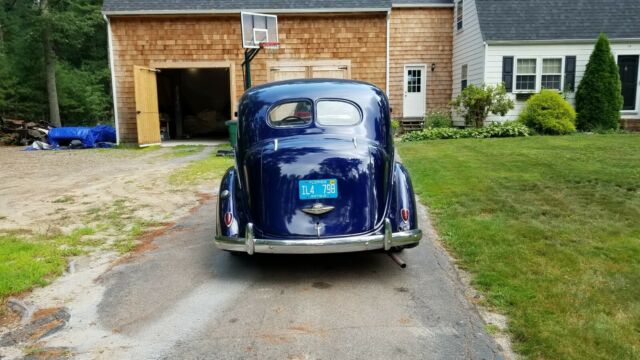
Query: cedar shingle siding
[
  {"x": 421, "y": 36},
  {"x": 147, "y": 40}
]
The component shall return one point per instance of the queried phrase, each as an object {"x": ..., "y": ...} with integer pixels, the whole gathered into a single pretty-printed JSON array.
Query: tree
[
  {"x": 50, "y": 63},
  {"x": 54, "y": 51},
  {"x": 599, "y": 96},
  {"x": 475, "y": 103}
]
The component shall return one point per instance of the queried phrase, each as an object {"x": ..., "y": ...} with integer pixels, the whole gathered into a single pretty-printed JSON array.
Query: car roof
[{"x": 353, "y": 90}]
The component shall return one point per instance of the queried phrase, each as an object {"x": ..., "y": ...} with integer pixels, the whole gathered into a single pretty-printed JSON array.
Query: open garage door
[
  {"x": 147, "y": 117},
  {"x": 288, "y": 70}
]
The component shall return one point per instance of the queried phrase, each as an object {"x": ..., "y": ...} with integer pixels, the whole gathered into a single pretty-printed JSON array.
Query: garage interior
[{"x": 194, "y": 103}]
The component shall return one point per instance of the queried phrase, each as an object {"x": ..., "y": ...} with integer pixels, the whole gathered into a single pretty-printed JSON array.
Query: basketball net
[{"x": 271, "y": 48}]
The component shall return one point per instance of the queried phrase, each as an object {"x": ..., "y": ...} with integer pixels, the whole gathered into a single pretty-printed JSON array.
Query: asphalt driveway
[{"x": 185, "y": 299}]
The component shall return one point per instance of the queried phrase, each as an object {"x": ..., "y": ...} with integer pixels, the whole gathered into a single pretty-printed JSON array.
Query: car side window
[
  {"x": 335, "y": 112},
  {"x": 294, "y": 113}
]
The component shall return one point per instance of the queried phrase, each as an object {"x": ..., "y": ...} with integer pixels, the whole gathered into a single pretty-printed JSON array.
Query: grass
[
  {"x": 28, "y": 260},
  {"x": 184, "y": 150},
  {"x": 210, "y": 168},
  {"x": 550, "y": 228},
  {"x": 64, "y": 200},
  {"x": 31, "y": 259}
]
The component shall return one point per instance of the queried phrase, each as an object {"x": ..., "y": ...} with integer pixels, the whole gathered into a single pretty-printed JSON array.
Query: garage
[
  {"x": 183, "y": 103},
  {"x": 193, "y": 103},
  {"x": 178, "y": 77}
]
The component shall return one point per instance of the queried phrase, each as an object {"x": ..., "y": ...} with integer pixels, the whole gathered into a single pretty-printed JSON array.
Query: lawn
[
  {"x": 210, "y": 168},
  {"x": 550, "y": 228}
]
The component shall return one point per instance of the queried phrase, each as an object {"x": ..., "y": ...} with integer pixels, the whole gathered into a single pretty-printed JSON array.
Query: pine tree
[{"x": 599, "y": 96}]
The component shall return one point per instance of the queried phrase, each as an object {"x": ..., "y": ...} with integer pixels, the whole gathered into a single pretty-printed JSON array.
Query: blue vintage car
[{"x": 315, "y": 173}]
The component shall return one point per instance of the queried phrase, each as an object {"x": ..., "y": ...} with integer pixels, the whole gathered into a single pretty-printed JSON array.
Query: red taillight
[
  {"x": 228, "y": 219},
  {"x": 405, "y": 214}
]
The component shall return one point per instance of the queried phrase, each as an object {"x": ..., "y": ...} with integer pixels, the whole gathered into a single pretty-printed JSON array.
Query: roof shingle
[
  {"x": 222, "y": 5},
  {"x": 558, "y": 19}
]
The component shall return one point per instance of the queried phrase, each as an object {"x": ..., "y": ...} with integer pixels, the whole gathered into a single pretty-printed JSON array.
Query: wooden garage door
[
  {"x": 281, "y": 73},
  {"x": 147, "y": 116},
  {"x": 330, "y": 71},
  {"x": 309, "y": 70}
]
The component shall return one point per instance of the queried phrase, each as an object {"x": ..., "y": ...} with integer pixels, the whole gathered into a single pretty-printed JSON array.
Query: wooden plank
[{"x": 146, "y": 95}]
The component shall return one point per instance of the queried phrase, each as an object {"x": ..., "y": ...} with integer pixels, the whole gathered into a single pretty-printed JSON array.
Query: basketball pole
[{"x": 249, "y": 54}]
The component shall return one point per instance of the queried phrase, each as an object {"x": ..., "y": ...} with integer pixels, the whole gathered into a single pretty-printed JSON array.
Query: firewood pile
[{"x": 21, "y": 132}]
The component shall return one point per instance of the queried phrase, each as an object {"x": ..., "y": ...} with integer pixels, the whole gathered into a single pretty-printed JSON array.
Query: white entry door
[{"x": 414, "y": 104}]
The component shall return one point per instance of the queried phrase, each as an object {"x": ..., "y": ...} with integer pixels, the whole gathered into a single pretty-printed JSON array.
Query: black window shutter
[
  {"x": 570, "y": 73},
  {"x": 507, "y": 72}
]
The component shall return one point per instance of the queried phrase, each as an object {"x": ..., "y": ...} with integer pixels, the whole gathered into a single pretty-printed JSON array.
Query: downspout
[
  {"x": 388, "y": 33},
  {"x": 114, "y": 86},
  {"x": 484, "y": 65}
]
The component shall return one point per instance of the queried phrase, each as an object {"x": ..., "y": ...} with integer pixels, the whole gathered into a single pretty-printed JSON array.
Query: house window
[
  {"x": 526, "y": 75},
  {"x": 459, "y": 15},
  {"x": 551, "y": 74},
  {"x": 463, "y": 77},
  {"x": 414, "y": 81}
]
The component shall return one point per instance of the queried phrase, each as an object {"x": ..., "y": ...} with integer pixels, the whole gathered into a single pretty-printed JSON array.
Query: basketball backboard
[{"x": 257, "y": 29}]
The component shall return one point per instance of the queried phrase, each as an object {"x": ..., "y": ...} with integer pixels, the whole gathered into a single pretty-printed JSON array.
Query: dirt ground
[
  {"x": 40, "y": 190},
  {"x": 182, "y": 298}
]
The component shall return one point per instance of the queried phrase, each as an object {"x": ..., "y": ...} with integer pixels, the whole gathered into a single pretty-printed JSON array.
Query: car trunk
[{"x": 360, "y": 170}]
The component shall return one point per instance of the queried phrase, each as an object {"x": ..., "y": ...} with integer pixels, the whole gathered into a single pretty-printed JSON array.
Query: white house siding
[
  {"x": 468, "y": 49},
  {"x": 582, "y": 51}
]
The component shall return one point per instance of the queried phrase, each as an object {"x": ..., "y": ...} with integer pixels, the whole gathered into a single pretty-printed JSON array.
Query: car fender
[
  {"x": 229, "y": 202},
  {"x": 402, "y": 197}
]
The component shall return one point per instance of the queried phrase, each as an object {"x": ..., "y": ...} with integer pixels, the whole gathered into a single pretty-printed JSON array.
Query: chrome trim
[
  {"x": 249, "y": 241},
  {"x": 275, "y": 145},
  {"x": 251, "y": 245},
  {"x": 318, "y": 209},
  {"x": 388, "y": 234}
]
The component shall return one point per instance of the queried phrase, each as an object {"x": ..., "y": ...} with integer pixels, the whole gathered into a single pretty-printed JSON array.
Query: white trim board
[
  {"x": 238, "y": 11},
  {"x": 114, "y": 85}
]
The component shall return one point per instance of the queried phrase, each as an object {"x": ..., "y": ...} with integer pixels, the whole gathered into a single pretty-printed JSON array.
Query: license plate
[{"x": 318, "y": 189}]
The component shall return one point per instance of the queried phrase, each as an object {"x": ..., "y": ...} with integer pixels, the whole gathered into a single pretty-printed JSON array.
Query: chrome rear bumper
[{"x": 385, "y": 241}]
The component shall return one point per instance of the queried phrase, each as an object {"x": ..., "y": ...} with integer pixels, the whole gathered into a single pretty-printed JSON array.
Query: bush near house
[
  {"x": 437, "y": 119},
  {"x": 599, "y": 96},
  {"x": 507, "y": 129},
  {"x": 548, "y": 113},
  {"x": 475, "y": 103}
]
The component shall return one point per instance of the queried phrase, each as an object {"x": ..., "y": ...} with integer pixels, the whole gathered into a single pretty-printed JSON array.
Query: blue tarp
[{"x": 90, "y": 137}]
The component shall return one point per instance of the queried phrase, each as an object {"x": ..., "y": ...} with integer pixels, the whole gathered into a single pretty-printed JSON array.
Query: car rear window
[
  {"x": 335, "y": 112},
  {"x": 294, "y": 113}
]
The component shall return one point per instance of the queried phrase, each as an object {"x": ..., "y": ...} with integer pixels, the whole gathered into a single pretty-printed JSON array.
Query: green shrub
[
  {"x": 548, "y": 113},
  {"x": 507, "y": 129},
  {"x": 599, "y": 96},
  {"x": 395, "y": 126},
  {"x": 475, "y": 103},
  {"x": 437, "y": 119}
]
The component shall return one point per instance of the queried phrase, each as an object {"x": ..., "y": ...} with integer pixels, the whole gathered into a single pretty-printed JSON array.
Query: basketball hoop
[
  {"x": 259, "y": 31},
  {"x": 270, "y": 47}
]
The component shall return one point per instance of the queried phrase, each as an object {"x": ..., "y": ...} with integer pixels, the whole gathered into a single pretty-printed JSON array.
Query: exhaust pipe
[{"x": 397, "y": 259}]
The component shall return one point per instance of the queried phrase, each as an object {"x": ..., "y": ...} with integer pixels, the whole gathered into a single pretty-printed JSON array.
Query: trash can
[{"x": 233, "y": 131}]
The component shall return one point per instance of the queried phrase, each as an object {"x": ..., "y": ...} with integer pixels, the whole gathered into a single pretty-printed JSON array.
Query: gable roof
[
  {"x": 234, "y": 6},
  {"x": 558, "y": 19}
]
